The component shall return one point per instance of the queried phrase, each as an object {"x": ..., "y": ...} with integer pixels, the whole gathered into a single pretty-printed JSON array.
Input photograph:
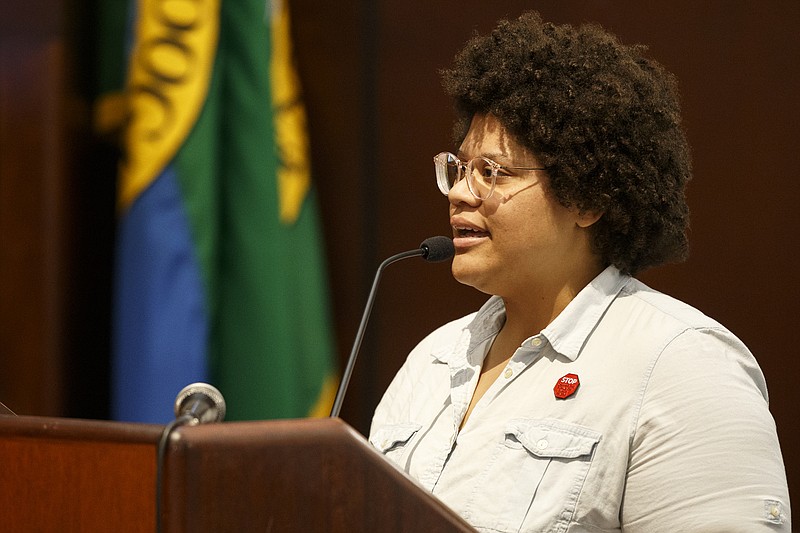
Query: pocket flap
[
  {"x": 387, "y": 437},
  {"x": 553, "y": 438}
]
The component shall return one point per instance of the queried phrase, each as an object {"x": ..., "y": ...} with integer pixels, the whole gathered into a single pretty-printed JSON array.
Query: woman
[{"x": 577, "y": 398}]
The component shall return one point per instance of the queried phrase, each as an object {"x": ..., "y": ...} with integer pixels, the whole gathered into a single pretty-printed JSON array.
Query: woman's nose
[{"x": 459, "y": 193}]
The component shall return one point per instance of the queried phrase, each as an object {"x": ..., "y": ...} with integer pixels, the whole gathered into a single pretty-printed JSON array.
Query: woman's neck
[{"x": 530, "y": 310}]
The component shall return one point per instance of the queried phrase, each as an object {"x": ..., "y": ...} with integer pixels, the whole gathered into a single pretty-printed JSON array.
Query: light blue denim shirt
[{"x": 668, "y": 430}]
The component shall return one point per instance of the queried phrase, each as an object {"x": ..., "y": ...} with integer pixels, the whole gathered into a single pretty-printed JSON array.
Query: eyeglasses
[{"x": 481, "y": 173}]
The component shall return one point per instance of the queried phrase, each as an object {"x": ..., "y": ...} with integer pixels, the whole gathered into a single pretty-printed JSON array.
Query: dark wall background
[{"x": 377, "y": 116}]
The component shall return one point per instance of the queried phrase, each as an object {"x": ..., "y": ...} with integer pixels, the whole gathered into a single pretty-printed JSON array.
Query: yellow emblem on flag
[
  {"x": 291, "y": 137},
  {"x": 168, "y": 79}
]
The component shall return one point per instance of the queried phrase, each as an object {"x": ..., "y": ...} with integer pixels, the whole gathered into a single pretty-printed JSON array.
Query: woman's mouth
[
  {"x": 469, "y": 232},
  {"x": 468, "y": 235}
]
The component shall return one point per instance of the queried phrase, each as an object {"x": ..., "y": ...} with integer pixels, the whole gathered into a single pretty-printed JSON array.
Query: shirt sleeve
[
  {"x": 704, "y": 453},
  {"x": 398, "y": 388},
  {"x": 394, "y": 405}
]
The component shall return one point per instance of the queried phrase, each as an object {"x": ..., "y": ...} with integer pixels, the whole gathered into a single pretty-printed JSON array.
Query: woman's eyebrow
[{"x": 496, "y": 157}]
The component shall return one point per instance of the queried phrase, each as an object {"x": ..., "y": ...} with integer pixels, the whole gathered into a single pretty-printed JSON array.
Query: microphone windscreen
[{"x": 438, "y": 249}]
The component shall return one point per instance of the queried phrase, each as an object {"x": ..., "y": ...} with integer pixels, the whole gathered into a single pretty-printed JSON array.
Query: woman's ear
[{"x": 587, "y": 218}]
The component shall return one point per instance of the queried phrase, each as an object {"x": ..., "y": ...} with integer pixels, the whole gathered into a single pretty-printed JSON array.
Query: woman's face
[{"x": 521, "y": 237}]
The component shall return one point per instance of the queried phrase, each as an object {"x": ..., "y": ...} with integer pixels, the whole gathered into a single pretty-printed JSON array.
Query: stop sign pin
[{"x": 566, "y": 386}]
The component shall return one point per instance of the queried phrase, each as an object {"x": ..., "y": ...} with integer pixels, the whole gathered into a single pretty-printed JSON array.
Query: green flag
[{"x": 272, "y": 344}]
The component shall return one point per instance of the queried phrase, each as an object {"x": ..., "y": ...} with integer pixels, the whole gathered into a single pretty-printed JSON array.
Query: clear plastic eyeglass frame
[{"x": 450, "y": 170}]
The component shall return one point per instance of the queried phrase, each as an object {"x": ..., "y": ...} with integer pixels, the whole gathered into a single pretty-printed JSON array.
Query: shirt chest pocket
[
  {"x": 392, "y": 439},
  {"x": 537, "y": 471}
]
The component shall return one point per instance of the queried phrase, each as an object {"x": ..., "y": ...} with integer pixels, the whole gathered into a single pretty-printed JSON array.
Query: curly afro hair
[{"x": 604, "y": 121}]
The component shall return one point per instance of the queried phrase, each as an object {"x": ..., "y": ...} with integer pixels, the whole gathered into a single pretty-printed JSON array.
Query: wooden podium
[{"x": 309, "y": 475}]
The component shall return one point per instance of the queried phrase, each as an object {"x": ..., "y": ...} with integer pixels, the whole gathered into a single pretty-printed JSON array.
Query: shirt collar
[
  {"x": 484, "y": 325},
  {"x": 571, "y": 328},
  {"x": 566, "y": 334}
]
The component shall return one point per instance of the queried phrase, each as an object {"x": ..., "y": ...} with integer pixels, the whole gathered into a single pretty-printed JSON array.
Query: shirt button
[
  {"x": 537, "y": 341},
  {"x": 508, "y": 373},
  {"x": 542, "y": 444},
  {"x": 775, "y": 511}
]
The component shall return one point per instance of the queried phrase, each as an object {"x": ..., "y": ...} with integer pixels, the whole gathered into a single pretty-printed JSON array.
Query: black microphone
[
  {"x": 200, "y": 403},
  {"x": 434, "y": 250},
  {"x": 438, "y": 249}
]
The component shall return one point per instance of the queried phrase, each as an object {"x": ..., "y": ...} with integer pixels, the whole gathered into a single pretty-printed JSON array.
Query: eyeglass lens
[{"x": 449, "y": 171}]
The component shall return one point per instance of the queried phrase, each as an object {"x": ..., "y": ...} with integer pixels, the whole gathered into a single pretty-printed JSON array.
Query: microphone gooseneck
[{"x": 434, "y": 250}]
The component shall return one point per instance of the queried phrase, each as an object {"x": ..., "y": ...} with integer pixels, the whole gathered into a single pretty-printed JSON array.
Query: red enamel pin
[{"x": 566, "y": 386}]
